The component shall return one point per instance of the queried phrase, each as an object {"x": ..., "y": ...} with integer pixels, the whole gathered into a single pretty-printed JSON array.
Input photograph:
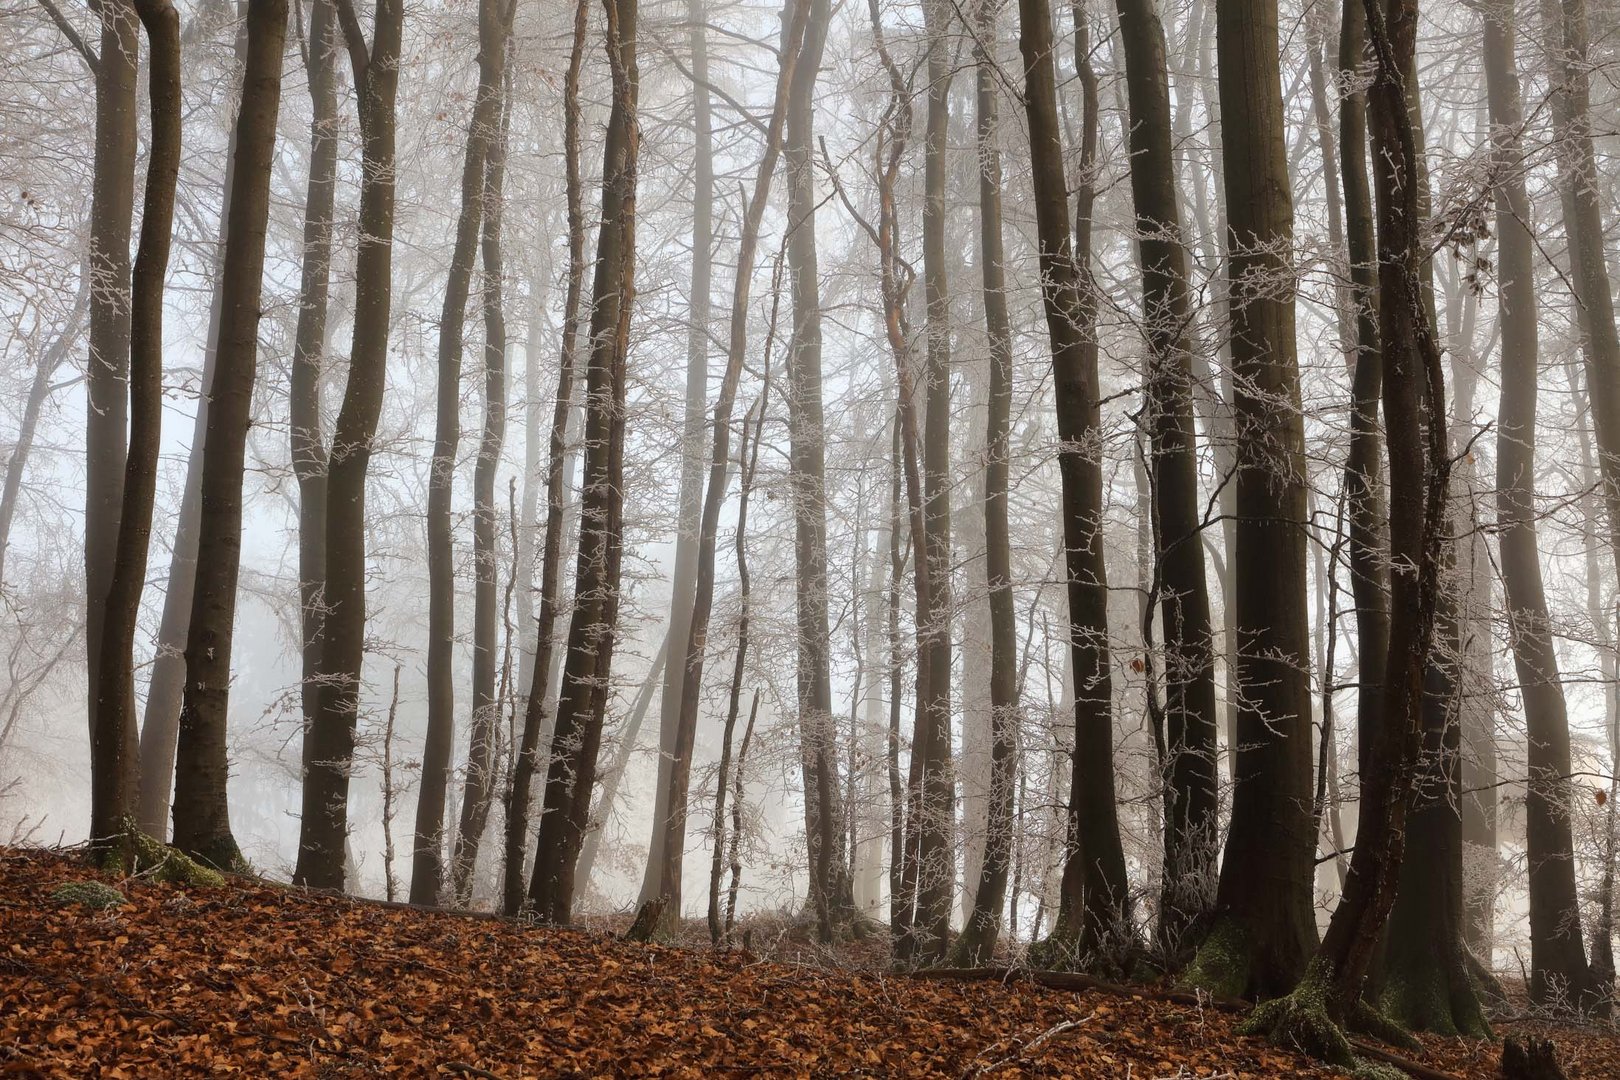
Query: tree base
[
  {"x": 1220, "y": 967},
  {"x": 1302, "y": 1021},
  {"x": 132, "y": 852}
]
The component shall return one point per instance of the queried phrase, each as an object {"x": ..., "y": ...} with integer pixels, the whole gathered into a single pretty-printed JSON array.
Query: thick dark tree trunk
[
  {"x": 330, "y": 737},
  {"x": 1094, "y": 913},
  {"x": 1265, "y": 927},
  {"x": 978, "y": 941},
  {"x": 534, "y": 712},
  {"x": 1191, "y": 834},
  {"x": 113, "y": 757},
  {"x": 587, "y": 671},
  {"x": 1363, "y": 469},
  {"x": 160, "y": 724},
  {"x": 1414, "y": 403},
  {"x": 202, "y": 825}
]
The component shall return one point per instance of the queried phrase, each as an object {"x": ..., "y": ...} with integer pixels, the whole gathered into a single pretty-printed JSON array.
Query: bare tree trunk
[
  {"x": 306, "y": 425},
  {"x": 202, "y": 824},
  {"x": 978, "y": 940},
  {"x": 699, "y": 305},
  {"x": 331, "y": 734},
  {"x": 160, "y": 726},
  {"x": 1565, "y": 969},
  {"x": 1264, "y": 936},
  {"x": 1191, "y": 833},
  {"x": 577, "y": 738},
  {"x": 427, "y": 870},
  {"x": 534, "y": 713},
  {"x": 479, "y": 787},
  {"x": 808, "y": 473},
  {"x": 1094, "y": 913},
  {"x": 669, "y": 886},
  {"x": 114, "y": 747},
  {"x": 1414, "y": 409},
  {"x": 113, "y": 760}
]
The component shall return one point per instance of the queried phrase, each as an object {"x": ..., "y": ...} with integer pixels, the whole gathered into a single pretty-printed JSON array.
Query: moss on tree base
[
  {"x": 133, "y": 852},
  {"x": 1302, "y": 1021},
  {"x": 1220, "y": 967}
]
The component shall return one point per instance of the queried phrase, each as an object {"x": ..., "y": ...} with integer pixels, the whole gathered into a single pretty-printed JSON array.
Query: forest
[{"x": 1123, "y": 494}]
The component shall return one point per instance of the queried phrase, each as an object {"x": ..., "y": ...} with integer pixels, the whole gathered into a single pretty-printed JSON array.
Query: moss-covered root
[
  {"x": 134, "y": 852},
  {"x": 1436, "y": 997},
  {"x": 1220, "y": 968},
  {"x": 1301, "y": 1021}
]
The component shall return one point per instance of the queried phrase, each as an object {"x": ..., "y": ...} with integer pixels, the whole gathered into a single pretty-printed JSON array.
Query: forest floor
[{"x": 259, "y": 980}]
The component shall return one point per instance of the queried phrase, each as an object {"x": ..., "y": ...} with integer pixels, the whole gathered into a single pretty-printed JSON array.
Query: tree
[
  {"x": 202, "y": 825},
  {"x": 1556, "y": 921},
  {"x": 807, "y": 466},
  {"x": 113, "y": 777},
  {"x": 330, "y": 736},
  {"x": 482, "y": 131},
  {"x": 683, "y": 580},
  {"x": 534, "y": 711},
  {"x": 113, "y": 743},
  {"x": 676, "y": 798},
  {"x": 1330, "y": 995},
  {"x": 978, "y": 940},
  {"x": 1191, "y": 840},
  {"x": 305, "y": 427},
  {"x": 577, "y": 736},
  {"x": 1265, "y": 929},
  {"x": 1094, "y": 909}
]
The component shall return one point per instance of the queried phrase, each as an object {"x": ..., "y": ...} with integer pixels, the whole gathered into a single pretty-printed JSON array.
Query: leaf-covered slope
[{"x": 266, "y": 981}]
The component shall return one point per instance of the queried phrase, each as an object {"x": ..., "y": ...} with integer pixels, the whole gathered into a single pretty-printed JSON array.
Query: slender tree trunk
[
  {"x": 534, "y": 713},
  {"x": 699, "y": 305},
  {"x": 1266, "y": 927},
  {"x": 115, "y": 743},
  {"x": 587, "y": 671},
  {"x": 747, "y": 465},
  {"x": 978, "y": 941},
  {"x": 113, "y": 760},
  {"x": 1191, "y": 836},
  {"x": 479, "y": 787},
  {"x": 306, "y": 426},
  {"x": 330, "y": 736},
  {"x": 669, "y": 886},
  {"x": 829, "y": 885},
  {"x": 1094, "y": 913},
  {"x": 427, "y": 870},
  {"x": 202, "y": 824}
]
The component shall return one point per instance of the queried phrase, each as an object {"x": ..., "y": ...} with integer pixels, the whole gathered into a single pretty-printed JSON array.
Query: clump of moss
[
  {"x": 1221, "y": 965},
  {"x": 91, "y": 894}
]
